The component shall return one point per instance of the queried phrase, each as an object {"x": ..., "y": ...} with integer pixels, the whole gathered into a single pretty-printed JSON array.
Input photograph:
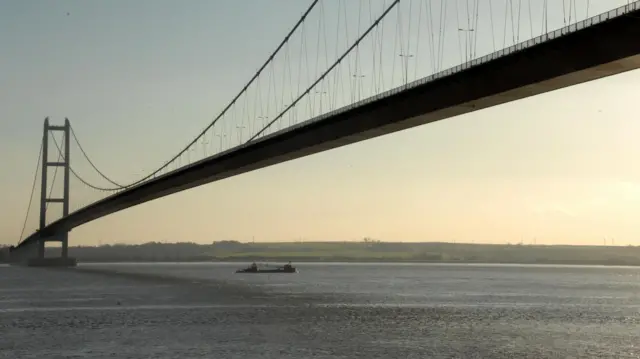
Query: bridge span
[{"x": 601, "y": 46}]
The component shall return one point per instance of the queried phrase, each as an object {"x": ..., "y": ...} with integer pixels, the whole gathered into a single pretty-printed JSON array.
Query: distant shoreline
[
  {"x": 365, "y": 251},
  {"x": 354, "y": 261}
]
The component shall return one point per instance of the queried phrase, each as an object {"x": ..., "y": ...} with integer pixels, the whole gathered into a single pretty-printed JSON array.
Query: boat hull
[{"x": 266, "y": 271}]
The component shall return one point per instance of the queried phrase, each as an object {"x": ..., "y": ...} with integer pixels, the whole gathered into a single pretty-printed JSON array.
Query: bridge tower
[{"x": 64, "y": 163}]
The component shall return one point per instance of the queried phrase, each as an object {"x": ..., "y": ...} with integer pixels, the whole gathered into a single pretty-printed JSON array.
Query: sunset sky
[{"x": 140, "y": 79}]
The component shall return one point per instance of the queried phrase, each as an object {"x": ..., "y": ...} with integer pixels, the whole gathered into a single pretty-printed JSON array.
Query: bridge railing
[{"x": 594, "y": 20}]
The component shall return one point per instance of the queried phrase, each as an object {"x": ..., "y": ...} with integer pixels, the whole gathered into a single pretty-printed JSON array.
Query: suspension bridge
[{"x": 349, "y": 71}]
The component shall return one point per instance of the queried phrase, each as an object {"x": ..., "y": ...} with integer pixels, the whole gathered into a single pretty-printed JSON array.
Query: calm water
[{"x": 325, "y": 311}]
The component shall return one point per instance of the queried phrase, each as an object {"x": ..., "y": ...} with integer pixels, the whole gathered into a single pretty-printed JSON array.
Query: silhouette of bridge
[{"x": 338, "y": 107}]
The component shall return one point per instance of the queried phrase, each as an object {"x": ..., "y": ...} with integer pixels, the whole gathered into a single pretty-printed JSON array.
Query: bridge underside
[{"x": 599, "y": 51}]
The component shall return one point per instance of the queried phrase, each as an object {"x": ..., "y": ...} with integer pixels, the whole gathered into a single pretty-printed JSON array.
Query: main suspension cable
[
  {"x": 353, "y": 46},
  {"x": 217, "y": 118},
  {"x": 33, "y": 188},
  {"x": 84, "y": 153},
  {"x": 76, "y": 175}
]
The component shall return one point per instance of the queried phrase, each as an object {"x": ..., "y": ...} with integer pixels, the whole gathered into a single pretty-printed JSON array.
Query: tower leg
[
  {"x": 41, "y": 243},
  {"x": 65, "y": 245},
  {"x": 65, "y": 197},
  {"x": 43, "y": 188}
]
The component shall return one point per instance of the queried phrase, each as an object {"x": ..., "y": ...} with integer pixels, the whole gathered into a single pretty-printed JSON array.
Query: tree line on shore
[{"x": 367, "y": 250}]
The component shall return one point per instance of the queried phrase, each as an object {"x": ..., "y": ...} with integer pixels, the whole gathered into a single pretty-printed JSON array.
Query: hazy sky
[{"x": 138, "y": 79}]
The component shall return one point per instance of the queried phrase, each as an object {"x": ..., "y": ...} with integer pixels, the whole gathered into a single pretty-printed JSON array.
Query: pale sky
[{"x": 140, "y": 79}]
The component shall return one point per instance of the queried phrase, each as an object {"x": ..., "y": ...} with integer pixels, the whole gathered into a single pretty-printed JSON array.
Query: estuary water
[{"x": 336, "y": 310}]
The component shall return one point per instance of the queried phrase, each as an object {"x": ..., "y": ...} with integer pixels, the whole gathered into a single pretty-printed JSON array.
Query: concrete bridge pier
[
  {"x": 63, "y": 261},
  {"x": 33, "y": 255}
]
